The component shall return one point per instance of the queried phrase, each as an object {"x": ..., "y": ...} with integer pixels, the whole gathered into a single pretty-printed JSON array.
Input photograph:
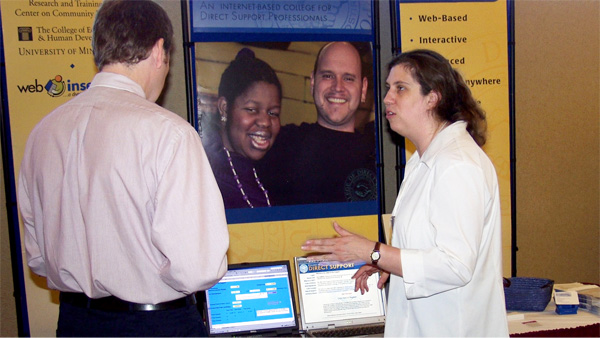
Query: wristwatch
[{"x": 375, "y": 255}]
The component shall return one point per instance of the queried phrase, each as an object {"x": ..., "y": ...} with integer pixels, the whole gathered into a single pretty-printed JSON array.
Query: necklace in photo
[{"x": 239, "y": 184}]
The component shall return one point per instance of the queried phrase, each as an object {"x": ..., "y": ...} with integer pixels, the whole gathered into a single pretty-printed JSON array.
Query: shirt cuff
[{"x": 413, "y": 270}]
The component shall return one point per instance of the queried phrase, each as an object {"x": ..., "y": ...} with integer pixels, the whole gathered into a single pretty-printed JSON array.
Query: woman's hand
[
  {"x": 362, "y": 275},
  {"x": 347, "y": 247},
  {"x": 352, "y": 247}
]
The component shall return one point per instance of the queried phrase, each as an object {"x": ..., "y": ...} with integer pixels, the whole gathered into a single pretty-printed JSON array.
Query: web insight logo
[{"x": 55, "y": 87}]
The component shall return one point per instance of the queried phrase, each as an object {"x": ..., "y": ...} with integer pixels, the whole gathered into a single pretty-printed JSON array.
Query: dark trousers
[{"x": 76, "y": 321}]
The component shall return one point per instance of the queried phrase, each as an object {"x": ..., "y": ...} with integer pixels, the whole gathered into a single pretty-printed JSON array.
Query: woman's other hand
[
  {"x": 347, "y": 247},
  {"x": 362, "y": 275}
]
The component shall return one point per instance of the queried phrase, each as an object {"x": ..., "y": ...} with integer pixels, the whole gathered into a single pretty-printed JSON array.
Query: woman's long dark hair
[{"x": 434, "y": 73}]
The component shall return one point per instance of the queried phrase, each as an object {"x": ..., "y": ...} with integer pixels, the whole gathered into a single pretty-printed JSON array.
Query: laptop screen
[
  {"x": 327, "y": 297},
  {"x": 252, "y": 298}
]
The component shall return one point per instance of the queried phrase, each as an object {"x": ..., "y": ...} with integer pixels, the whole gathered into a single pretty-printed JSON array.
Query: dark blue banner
[{"x": 251, "y": 17}]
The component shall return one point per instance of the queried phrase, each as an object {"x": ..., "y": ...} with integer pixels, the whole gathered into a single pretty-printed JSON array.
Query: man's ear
[
  {"x": 312, "y": 83},
  {"x": 363, "y": 94},
  {"x": 158, "y": 53}
]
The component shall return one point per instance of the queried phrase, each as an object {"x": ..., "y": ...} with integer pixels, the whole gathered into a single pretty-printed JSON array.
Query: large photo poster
[
  {"x": 281, "y": 128},
  {"x": 284, "y": 103},
  {"x": 286, "y": 110}
]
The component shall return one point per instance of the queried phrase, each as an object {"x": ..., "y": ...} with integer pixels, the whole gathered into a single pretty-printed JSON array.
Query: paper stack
[
  {"x": 589, "y": 295},
  {"x": 589, "y": 299}
]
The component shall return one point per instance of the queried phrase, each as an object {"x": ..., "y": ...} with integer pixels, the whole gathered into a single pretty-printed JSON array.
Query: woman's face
[
  {"x": 405, "y": 106},
  {"x": 253, "y": 121}
]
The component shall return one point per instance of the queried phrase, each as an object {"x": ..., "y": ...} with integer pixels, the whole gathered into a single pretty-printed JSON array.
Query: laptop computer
[
  {"x": 253, "y": 299},
  {"x": 329, "y": 306}
]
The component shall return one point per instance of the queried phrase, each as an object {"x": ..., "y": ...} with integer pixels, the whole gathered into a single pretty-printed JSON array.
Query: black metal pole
[
  {"x": 187, "y": 63},
  {"x": 513, "y": 151}
]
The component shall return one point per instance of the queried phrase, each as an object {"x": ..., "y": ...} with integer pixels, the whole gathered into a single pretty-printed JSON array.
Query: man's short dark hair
[{"x": 125, "y": 31}]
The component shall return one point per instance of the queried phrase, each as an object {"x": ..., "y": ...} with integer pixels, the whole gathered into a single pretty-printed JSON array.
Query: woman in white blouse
[{"x": 444, "y": 264}]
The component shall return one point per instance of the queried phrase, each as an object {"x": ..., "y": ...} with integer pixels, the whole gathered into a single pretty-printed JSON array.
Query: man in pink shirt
[{"x": 122, "y": 212}]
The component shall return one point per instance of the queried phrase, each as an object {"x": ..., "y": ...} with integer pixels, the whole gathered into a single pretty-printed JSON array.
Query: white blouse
[{"x": 447, "y": 223}]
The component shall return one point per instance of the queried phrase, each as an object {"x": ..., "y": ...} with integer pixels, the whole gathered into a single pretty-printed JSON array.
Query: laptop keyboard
[{"x": 349, "y": 332}]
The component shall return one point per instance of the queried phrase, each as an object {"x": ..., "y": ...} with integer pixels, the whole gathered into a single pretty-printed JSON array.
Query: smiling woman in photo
[{"x": 249, "y": 106}]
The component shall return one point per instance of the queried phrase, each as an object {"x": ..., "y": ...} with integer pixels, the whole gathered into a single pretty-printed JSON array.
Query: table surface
[{"x": 526, "y": 322}]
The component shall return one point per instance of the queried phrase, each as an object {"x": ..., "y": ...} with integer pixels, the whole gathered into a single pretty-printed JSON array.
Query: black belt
[{"x": 115, "y": 304}]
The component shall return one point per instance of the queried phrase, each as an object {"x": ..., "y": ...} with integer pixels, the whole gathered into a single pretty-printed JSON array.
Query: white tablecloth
[{"x": 522, "y": 321}]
